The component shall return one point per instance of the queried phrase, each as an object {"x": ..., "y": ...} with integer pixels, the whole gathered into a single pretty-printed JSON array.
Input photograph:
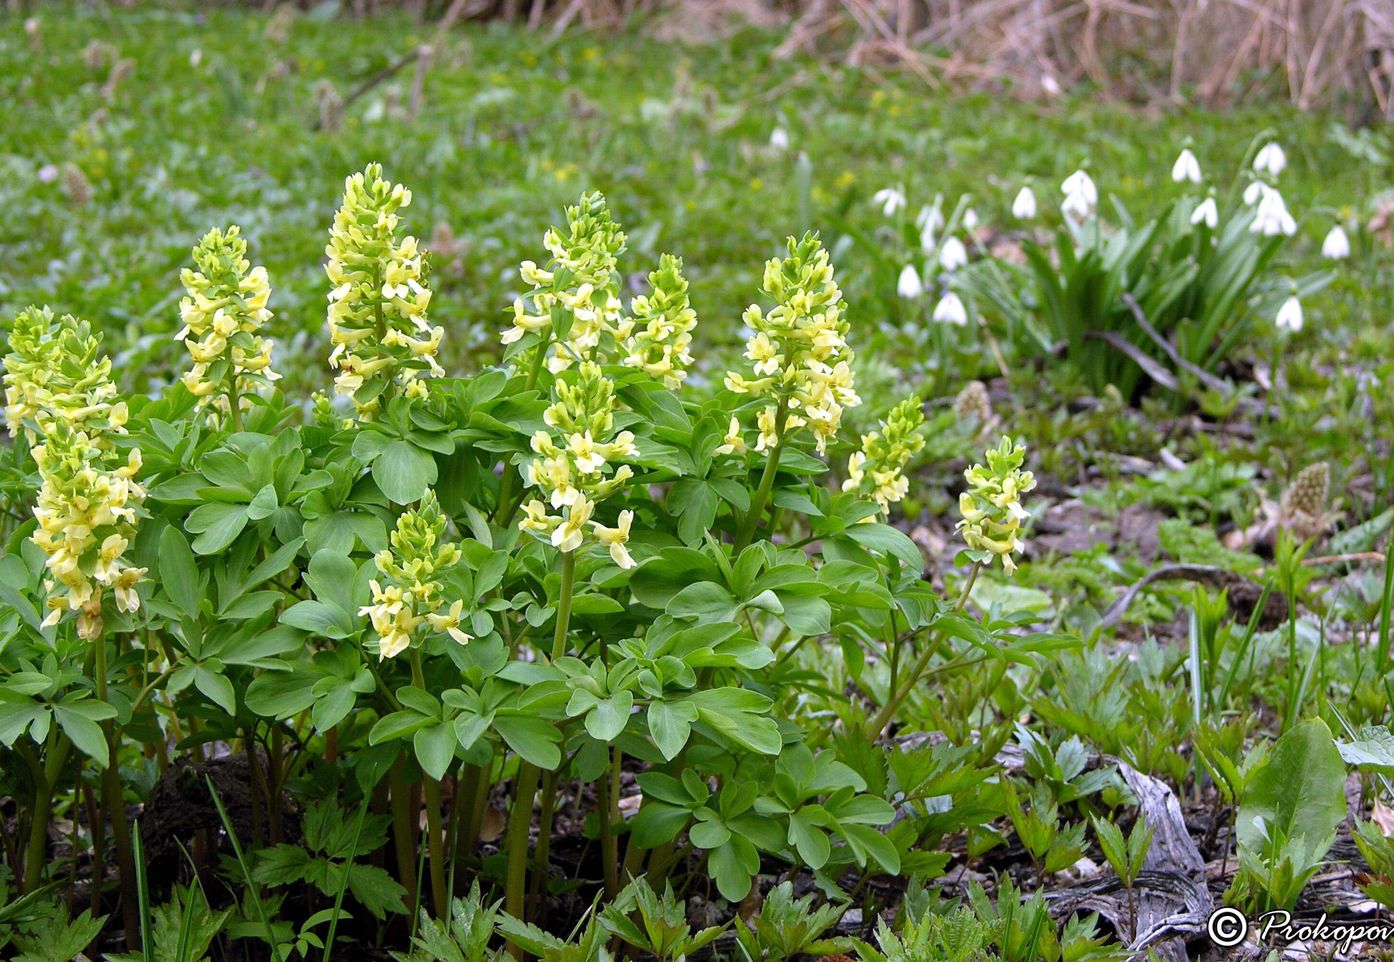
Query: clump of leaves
[
  {"x": 786, "y": 927},
  {"x": 327, "y": 859},
  {"x": 464, "y": 937},
  {"x": 654, "y": 924}
]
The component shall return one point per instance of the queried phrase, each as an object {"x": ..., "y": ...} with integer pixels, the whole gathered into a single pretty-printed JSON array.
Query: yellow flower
[
  {"x": 571, "y": 532},
  {"x": 60, "y": 393},
  {"x": 616, "y": 538},
  {"x": 734, "y": 442},
  {"x": 877, "y": 469}
]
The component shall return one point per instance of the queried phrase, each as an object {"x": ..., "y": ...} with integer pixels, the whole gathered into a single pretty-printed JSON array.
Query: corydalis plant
[
  {"x": 223, "y": 315},
  {"x": 878, "y": 469},
  {"x": 991, "y": 507},
  {"x": 59, "y": 391},
  {"x": 802, "y": 364},
  {"x": 574, "y": 464},
  {"x": 382, "y": 340},
  {"x": 408, "y": 599}
]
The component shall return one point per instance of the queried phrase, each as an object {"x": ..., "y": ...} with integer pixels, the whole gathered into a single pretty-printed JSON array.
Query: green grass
[{"x": 215, "y": 125}]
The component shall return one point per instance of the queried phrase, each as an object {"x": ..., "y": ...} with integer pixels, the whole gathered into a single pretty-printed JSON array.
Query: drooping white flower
[
  {"x": 1336, "y": 246},
  {"x": 970, "y": 219},
  {"x": 779, "y": 139},
  {"x": 1290, "y": 315},
  {"x": 909, "y": 285},
  {"x": 953, "y": 255},
  {"x": 1254, "y": 192},
  {"x": 1270, "y": 159},
  {"x": 951, "y": 310},
  {"x": 1024, "y": 204},
  {"x": 1272, "y": 217},
  {"x": 930, "y": 220},
  {"x": 1081, "y": 195},
  {"x": 890, "y": 200},
  {"x": 1050, "y": 85},
  {"x": 1186, "y": 167},
  {"x": 1206, "y": 213}
]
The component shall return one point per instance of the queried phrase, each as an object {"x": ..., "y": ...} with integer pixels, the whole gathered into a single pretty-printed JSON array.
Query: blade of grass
[
  {"x": 343, "y": 883},
  {"x": 246, "y": 871},
  {"x": 147, "y": 945}
]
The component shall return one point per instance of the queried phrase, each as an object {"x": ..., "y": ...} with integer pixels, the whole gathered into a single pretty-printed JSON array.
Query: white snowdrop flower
[
  {"x": 1186, "y": 167},
  {"x": 1270, "y": 159},
  {"x": 1336, "y": 246},
  {"x": 890, "y": 200},
  {"x": 1050, "y": 85},
  {"x": 950, "y": 310},
  {"x": 930, "y": 221},
  {"x": 970, "y": 219},
  {"x": 1080, "y": 195},
  {"x": 953, "y": 255},
  {"x": 1272, "y": 217},
  {"x": 1024, "y": 204},
  {"x": 1206, "y": 213},
  {"x": 779, "y": 139},
  {"x": 1290, "y": 315},
  {"x": 1254, "y": 192},
  {"x": 196, "y": 57},
  {"x": 909, "y": 285}
]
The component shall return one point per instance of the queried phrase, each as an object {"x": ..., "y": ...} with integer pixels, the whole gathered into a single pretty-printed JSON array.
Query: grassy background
[{"x": 215, "y": 124}]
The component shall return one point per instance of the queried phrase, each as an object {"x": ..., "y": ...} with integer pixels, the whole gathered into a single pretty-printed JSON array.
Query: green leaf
[
  {"x": 178, "y": 572},
  {"x": 435, "y": 749},
  {"x": 85, "y": 733},
  {"x": 217, "y": 688},
  {"x": 216, "y": 525},
  {"x": 403, "y": 472},
  {"x": 536, "y": 740},
  {"x": 706, "y": 601},
  {"x": 670, "y": 725},
  {"x": 1299, "y": 790}
]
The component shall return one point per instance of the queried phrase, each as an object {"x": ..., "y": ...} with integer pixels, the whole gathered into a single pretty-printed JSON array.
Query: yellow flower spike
[
  {"x": 382, "y": 342},
  {"x": 223, "y": 315},
  {"x": 60, "y": 393},
  {"x": 991, "y": 507},
  {"x": 408, "y": 597},
  {"x": 877, "y": 470},
  {"x": 798, "y": 348}
]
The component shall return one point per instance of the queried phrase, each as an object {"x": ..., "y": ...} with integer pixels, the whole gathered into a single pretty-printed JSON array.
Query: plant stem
[
  {"x": 887, "y": 712},
  {"x": 435, "y": 842},
  {"x": 520, "y": 819},
  {"x": 606, "y": 794},
  {"x": 116, "y": 809},
  {"x": 762, "y": 493},
  {"x": 42, "y": 808},
  {"x": 402, "y": 842}
]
